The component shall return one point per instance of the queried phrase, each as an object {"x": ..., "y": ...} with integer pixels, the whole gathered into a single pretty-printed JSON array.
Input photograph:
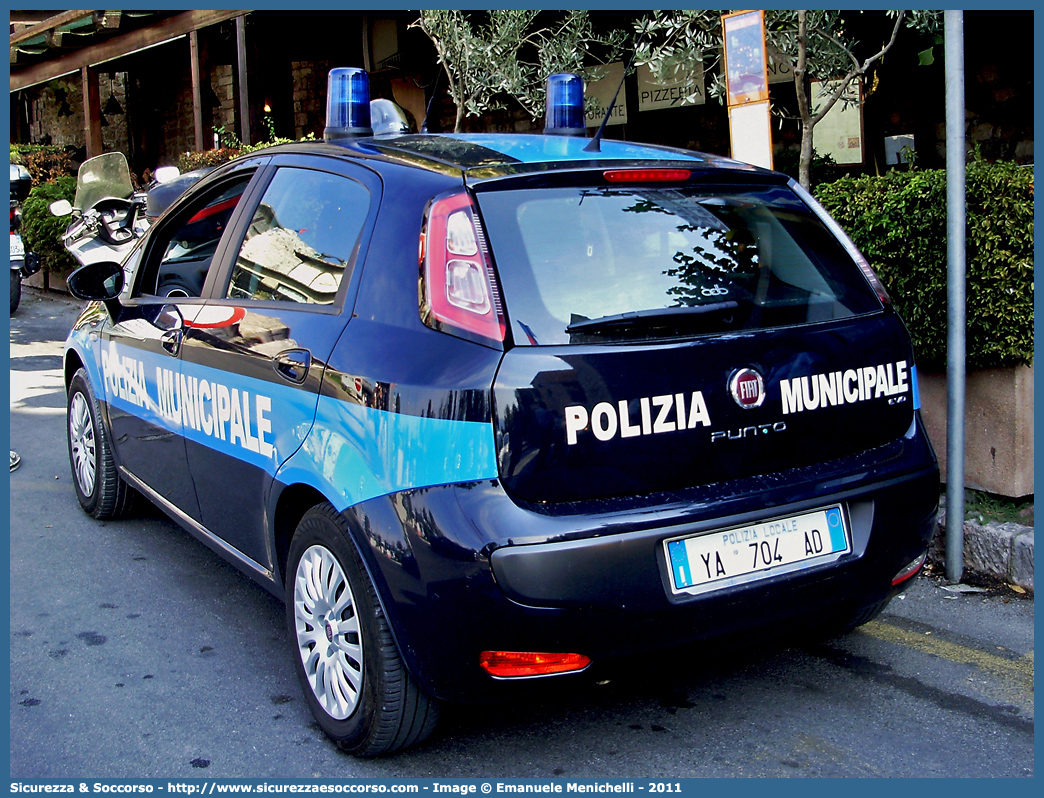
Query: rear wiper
[{"x": 645, "y": 317}]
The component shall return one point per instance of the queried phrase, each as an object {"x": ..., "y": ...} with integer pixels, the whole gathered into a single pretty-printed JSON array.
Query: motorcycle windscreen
[{"x": 101, "y": 177}]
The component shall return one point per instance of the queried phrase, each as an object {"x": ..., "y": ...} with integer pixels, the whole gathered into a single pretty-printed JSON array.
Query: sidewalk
[{"x": 991, "y": 550}]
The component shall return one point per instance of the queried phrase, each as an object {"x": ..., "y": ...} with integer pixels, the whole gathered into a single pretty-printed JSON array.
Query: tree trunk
[
  {"x": 805, "y": 162},
  {"x": 801, "y": 89}
]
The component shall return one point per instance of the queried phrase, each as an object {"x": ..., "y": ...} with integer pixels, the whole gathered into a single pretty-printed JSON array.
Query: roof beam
[
  {"x": 117, "y": 46},
  {"x": 29, "y": 17},
  {"x": 48, "y": 24}
]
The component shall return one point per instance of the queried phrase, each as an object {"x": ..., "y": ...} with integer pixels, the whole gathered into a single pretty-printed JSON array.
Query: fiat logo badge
[{"x": 747, "y": 389}]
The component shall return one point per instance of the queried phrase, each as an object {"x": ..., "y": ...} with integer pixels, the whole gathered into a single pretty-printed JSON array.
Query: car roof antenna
[
  {"x": 595, "y": 144},
  {"x": 431, "y": 101}
]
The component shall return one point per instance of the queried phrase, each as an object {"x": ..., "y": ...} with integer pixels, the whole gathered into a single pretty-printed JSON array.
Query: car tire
[
  {"x": 16, "y": 289},
  {"x": 99, "y": 486},
  {"x": 352, "y": 675}
]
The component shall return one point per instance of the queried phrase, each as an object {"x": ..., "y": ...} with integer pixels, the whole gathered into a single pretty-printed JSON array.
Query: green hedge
[
  {"x": 899, "y": 223},
  {"x": 41, "y": 230}
]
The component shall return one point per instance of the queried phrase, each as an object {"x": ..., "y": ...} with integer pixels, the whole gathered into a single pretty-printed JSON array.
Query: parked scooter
[{"x": 23, "y": 264}]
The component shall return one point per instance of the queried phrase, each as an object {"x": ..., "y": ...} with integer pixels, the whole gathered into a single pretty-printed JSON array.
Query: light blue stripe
[
  {"x": 916, "y": 388},
  {"x": 536, "y": 148},
  {"x": 80, "y": 342},
  {"x": 358, "y": 453},
  {"x": 350, "y": 453}
]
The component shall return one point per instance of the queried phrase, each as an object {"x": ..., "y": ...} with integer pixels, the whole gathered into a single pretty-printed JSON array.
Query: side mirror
[
  {"x": 165, "y": 174},
  {"x": 98, "y": 282},
  {"x": 61, "y": 208}
]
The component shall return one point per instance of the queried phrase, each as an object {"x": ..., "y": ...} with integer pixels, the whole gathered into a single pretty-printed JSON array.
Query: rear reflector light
[
  {"x": 646, "y": 175},
  {"x": 514, "y": 664},
  {"x": 909, "y": 571},
  {"x": 460, "y": 289}
]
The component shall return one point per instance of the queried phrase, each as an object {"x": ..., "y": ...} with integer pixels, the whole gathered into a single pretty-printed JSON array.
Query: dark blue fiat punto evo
[{"x": 488, "y": 408}]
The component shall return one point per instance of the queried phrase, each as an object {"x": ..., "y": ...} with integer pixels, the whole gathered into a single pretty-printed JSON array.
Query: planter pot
[
  {"x": 55, "y": 282},
  {"x": 998, "y": 427}
]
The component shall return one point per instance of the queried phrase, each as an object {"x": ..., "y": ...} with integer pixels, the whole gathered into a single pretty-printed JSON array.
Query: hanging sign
[
  {"x": 599, "y": 93},
  {"x": 653, "y": 95},
  {"x": 745, "y": 75}
]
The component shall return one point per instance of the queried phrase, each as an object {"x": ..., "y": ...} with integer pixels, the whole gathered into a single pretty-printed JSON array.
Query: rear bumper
[{"x": 483, "y": 573}]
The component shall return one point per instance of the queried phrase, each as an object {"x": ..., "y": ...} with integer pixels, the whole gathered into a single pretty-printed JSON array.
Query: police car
[{"x": 490, "y": 408}]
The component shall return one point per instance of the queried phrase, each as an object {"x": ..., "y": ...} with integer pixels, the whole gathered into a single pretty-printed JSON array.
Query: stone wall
[
  {"x": 222, "y": 81},
  {"x": 309, "y": 81},
  {"x": 56, "y": 112}
]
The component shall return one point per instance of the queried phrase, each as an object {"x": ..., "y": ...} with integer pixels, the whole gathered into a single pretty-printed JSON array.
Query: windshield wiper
[{"x": 651, "y": 316}]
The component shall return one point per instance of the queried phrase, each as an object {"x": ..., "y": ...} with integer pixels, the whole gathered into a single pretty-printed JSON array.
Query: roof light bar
[
  {"x": 387, "y": 118},
  {"x": 347, "y": 104},
  {"x": 565, "y": 105}
]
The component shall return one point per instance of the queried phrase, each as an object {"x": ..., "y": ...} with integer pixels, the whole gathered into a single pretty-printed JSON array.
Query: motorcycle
[
  {"x": 23, "y": 264},
  {"x": 108, "y": 215}
]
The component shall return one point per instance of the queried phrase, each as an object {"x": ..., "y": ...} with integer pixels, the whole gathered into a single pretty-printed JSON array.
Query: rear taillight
[{"x": 460, "y": 289}]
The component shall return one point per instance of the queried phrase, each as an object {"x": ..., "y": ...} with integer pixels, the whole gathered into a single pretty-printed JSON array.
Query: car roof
[{"x": 483, "y": 156}]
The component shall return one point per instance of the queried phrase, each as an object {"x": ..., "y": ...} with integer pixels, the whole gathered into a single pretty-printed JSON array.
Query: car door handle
[
  {"x": 171, "y": 341},
  {"x": 292, "y": 365}
]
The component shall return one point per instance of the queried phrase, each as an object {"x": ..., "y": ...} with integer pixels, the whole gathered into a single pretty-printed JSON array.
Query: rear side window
[
  {"x": 633, "y": 263},
  {"x": 300, "y": 243}
]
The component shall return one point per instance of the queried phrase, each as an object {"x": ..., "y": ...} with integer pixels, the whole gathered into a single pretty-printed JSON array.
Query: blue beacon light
[
  {"x": 347, "y": 104},
  {"x": 565, "y": 105}
]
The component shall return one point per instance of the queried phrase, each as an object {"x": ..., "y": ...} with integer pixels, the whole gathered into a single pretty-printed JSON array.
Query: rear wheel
[
  {"x": 99, "y": 486},
  {"x": 16, "y": 289},
  {"x": 354, "y": 680}
]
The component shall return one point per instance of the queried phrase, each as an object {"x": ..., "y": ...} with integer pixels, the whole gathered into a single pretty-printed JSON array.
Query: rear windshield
[{"x": 580, "y": 265}]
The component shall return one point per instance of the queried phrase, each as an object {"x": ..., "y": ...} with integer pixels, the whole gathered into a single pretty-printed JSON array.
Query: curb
[{"x": 992, "y": 550}]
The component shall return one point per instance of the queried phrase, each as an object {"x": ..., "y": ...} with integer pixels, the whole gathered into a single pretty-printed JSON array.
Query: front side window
[
  {"x": 300, "y": 243},
  {"x": 633, "y": 263},
  {"x": 181, "y": 254}
]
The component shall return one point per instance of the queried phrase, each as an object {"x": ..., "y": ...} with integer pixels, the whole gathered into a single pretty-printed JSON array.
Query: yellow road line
[{"x": 1018, "y": 670}]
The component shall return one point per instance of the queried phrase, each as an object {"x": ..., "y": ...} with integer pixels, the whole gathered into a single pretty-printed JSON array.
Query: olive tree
[
  {"x": 815, "y": 45},
  {"x": 493, "y": 57}
]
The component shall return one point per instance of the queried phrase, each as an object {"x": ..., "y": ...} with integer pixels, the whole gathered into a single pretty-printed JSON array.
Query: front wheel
[
  {"x": 16, "y": 289},
  {"x": 99, "y": 486},
  {"x": 353, "y": 677}
]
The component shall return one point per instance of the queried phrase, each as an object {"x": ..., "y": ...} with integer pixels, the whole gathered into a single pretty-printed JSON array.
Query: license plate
[
  {"x": 17, "y": 248},
  {"x": 713, "y": 560}
]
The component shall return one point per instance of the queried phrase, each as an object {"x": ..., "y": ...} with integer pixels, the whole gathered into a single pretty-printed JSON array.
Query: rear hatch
[{"x": 665, "y": 334}]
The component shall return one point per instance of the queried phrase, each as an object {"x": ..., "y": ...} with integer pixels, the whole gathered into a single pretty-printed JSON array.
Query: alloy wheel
[
  {"x": 329, "y": 639},
  {"x": 82, "y": 444}
]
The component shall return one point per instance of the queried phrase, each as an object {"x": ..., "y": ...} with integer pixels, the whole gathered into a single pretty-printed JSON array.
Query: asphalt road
[{"x": 137, "y": 652}]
